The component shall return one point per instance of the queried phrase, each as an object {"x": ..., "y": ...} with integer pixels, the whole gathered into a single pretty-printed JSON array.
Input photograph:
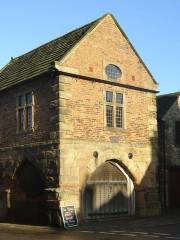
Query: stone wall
[
  {"x": 172, "y": 151},
  {"x": 82, "y": 116},
  {"x": 39, "y": 146},
  {"x": 70, "y": 122},
  {"x": 83, "y": 132}
]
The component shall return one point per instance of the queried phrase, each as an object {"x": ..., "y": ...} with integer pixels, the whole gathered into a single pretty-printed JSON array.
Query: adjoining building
[
  {"x": 168, "y": 107},
  {"x": 78, "y": 127}
]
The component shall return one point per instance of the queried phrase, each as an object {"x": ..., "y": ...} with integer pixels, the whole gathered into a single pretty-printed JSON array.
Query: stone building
[
  {"x": 78, "y": 127},
  {"x": 168, "y": 114}
]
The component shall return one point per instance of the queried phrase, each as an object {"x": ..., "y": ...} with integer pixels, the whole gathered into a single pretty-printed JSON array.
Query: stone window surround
[
  {"x": 25, "y": 129},
  {"x": 113, "y": 72},
  {"x": 117, "y": 64},
  {"x": 114, "y": 105}
]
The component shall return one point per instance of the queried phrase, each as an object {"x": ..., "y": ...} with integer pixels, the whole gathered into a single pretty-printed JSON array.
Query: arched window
[{"x": 113, "y": 72}]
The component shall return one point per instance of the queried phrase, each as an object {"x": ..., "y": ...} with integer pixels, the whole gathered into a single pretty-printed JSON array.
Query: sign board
[{"x": 69, "y": 216}]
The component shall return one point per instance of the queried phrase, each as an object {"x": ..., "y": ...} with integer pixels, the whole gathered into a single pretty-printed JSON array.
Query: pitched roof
[
  {"x": 42, "y": 58},
  {"x": 132, "y": 47},
  {"x": 164, "y": 103}
]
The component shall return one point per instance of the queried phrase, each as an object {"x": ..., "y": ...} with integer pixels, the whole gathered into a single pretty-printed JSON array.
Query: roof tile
[
  {"x": 164, "y": 103},
  {"x": 40, "y": 59}
]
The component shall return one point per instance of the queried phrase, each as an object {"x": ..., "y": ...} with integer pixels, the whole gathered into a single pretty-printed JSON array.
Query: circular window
[{"x": 113, "y": 72}]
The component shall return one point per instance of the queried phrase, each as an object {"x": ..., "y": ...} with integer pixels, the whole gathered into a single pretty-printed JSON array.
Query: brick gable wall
[
  {"x": 70, "y": 122},
  {"x": 82, "y": 118},
  {"x": 106, "y": 44}
]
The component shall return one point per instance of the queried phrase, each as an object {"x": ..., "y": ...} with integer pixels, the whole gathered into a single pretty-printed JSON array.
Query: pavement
[{"x": 165, "y": 227}]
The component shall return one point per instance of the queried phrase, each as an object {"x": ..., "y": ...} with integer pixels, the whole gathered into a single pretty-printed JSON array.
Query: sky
[{"x": 152, "y": 26}]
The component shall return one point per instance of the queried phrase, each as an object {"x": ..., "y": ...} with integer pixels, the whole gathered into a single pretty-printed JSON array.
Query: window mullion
[
  {"x": 25, "y": 117},
  {"x": 114, "y": 115},
  {"x": 114, "y": 110},
  {"x": 24, "y": 111}
]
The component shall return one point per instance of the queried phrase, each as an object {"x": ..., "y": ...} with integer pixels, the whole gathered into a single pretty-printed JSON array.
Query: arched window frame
[{"x": 113, "y": 72}]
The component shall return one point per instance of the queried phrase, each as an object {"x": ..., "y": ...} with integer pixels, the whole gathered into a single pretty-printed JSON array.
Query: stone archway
[
  {"x": 109, "y": 192},
  {"x": 27, "y": 195}
]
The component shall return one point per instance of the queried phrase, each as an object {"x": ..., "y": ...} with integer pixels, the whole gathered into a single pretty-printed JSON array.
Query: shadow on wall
[
  {"x": 25, "y": 199},
  {"x": 109, "y": 192},
  {"x": 147, "y": 191},
  {"x": 169, "y": 150},
  {"x": 112, "y": 190},
  {"x": 28, "y": 175},
  {"x": 27, "y": 194}
]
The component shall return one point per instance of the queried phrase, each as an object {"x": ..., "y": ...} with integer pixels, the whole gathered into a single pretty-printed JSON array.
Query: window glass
[
  {"x": 28, "y": 98},
  {"x": 21, "y": 101},
  {"x": 119, "y": 98},
  {"x": 21, "y": 119},
  {"x": 109, "y": 96},
  {"x": 29, "y": 117},
  {"x": 109, "y": 116},
  {"x": 113, "y": 72},
  {"x": 114, "y": 109},
  {"x": 119, "y": 117},
  {"x": 25, "y": 111}
]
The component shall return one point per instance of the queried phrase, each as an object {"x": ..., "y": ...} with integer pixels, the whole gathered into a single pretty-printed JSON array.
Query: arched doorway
[
  {"x": 27, "y": 195},
  {"x": 109, "y": 192}
]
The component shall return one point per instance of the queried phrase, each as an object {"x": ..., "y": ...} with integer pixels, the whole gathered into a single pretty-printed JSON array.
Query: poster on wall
[{"x": 69, "y": 216}]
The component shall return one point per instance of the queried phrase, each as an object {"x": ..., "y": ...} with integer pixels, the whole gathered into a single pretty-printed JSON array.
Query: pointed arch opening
[
  {"x": 27, "y": 195},
  {"x": 29, "y": 180},
  {"x": 109, "y": 192}
]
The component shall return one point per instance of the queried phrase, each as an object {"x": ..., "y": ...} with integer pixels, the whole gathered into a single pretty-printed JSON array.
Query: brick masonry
[
  {"x": 83, "y": 129},
  {"x": 39, "y": 146},
  {"x": 70, "y": 122}
]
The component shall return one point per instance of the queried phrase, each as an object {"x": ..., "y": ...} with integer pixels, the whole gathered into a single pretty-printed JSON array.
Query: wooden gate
[{"x": 106, "y": 192}]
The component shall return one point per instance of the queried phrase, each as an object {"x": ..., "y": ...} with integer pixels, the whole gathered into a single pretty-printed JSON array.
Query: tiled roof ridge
[{"x": 8, "y": 63}]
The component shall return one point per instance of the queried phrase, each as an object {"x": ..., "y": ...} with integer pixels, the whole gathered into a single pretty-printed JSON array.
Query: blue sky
[{"x": 153, "y": 27}]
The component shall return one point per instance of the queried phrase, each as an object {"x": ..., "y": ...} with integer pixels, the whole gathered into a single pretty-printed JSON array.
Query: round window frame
[{"x": 108, "y": 72}]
